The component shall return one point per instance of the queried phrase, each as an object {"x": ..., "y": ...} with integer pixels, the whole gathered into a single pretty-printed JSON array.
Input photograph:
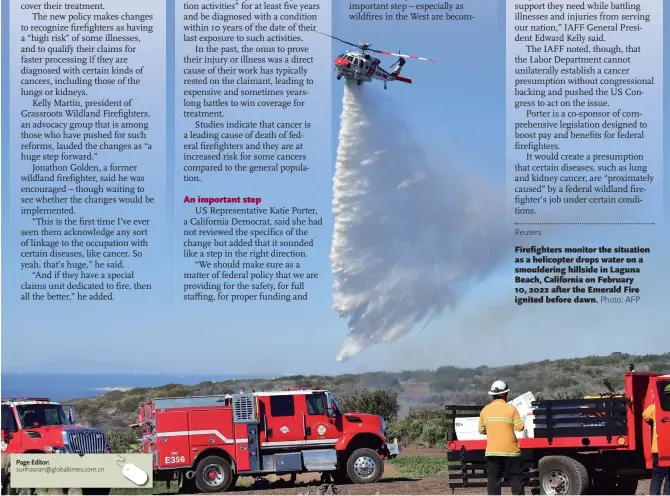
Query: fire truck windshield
[{"x": 40, "y": 415}]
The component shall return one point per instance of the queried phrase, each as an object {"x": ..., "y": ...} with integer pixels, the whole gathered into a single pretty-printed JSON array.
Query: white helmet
[{"x": 498, "y": 387}]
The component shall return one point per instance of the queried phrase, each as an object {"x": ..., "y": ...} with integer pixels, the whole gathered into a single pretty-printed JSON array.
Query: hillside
[{"x": 429, "y": 389}]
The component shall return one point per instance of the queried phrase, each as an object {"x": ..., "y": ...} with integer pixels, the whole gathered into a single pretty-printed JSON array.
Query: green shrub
[
  {"x": 124, "y": 441},
  {"x": 382, "y": 402},
  {"x": 434, "y": 434},
  {"x": 424, "y": 426}
]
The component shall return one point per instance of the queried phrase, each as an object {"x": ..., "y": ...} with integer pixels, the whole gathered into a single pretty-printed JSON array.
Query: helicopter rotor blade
[
  {"x": 339, "y": 39},
  {"x": 413, "y": 57},
  {"x": 366, "y": 47}
]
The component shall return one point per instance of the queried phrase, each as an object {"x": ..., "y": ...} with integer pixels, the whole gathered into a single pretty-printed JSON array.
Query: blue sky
[{"x": 456, "y": 110}]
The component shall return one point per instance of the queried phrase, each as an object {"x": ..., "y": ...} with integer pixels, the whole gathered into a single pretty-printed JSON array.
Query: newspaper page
[{"x": 322, "y": 247}]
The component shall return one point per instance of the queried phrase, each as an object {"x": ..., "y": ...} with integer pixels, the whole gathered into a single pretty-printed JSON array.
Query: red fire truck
[
  {"x": 206, "y": 442},
  {"x": 598, "y": 444},
  {"x": 39, "y": 425}
]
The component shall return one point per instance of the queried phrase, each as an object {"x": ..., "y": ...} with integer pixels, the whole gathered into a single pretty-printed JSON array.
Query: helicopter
[{"x": 363, "y": 68}]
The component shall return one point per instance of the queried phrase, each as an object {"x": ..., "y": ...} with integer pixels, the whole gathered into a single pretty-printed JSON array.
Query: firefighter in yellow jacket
[
  {"x": 658, "y": 474},
  {"x": 499, "y": 420}
]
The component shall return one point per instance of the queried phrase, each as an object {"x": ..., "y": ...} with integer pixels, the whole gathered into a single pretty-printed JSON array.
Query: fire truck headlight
[{"x": 55, "y": 449}]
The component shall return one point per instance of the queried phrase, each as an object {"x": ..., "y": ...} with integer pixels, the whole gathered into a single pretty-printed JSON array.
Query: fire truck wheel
[
  {"x": 562, "y": 475},
  {"x": 213, "y": 474},
  {"x": 86, "y": 491},
  {"x": 365, "y": 466}
]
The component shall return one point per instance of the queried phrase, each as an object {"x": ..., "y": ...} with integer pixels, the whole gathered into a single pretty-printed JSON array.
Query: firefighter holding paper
[{"x": 499, "y": 421}]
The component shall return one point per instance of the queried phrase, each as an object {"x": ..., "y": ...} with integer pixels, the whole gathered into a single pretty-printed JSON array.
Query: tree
[{"x": 382, "y": 402}]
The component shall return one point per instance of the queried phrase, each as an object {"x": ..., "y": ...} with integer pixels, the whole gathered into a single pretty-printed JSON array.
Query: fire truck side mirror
[
  {"x": 6, "y": 435},
  {"x": 71, "y": 415}
]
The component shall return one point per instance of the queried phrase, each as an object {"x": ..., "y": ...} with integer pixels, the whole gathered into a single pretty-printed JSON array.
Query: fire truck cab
[
  {"x": 39, "y": 425},
  {"x": 208, "y": 441}
]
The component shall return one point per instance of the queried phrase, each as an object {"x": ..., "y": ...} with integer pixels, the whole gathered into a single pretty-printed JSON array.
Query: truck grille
[{"x": 85, "y": 440}]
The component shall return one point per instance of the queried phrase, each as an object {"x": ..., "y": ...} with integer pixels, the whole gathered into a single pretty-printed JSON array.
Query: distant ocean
[{"x": 67, "y": 386}]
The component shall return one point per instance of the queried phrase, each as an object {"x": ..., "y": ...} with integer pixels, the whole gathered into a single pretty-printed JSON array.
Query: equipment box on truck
[
  {"x": 206, "y": 442},
  {"x": 597, "y": 444}
]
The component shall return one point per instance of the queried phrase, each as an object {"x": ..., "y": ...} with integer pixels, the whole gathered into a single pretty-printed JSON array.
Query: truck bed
[{"x": 584, "y": 424}]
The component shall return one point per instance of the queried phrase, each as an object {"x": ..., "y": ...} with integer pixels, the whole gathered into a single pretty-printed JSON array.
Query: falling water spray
[{"x": 409, "y": 238}]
